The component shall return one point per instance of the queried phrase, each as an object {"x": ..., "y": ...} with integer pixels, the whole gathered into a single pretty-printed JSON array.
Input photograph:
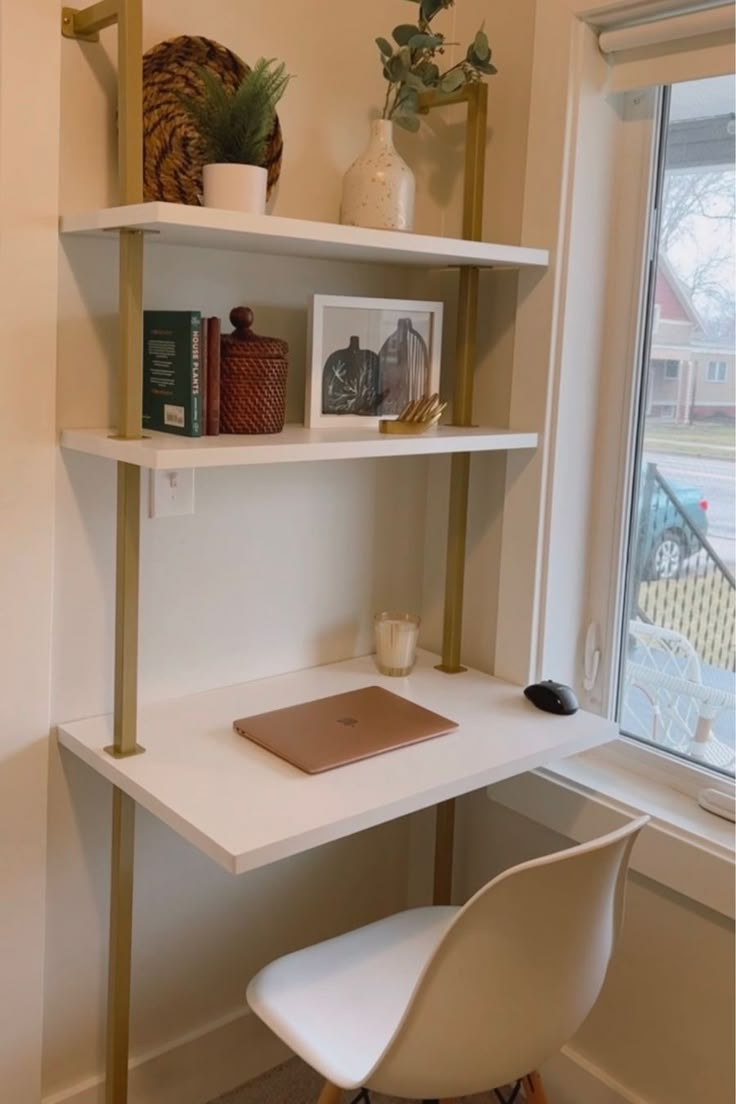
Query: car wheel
[{"x": 668, "y": 556}]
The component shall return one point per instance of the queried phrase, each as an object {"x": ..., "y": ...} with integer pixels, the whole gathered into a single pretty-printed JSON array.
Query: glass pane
[{"x": 678, "y": 683}]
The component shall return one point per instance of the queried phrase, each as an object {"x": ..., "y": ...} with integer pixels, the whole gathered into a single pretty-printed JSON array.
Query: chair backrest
[{"x": 515, "y": 975}]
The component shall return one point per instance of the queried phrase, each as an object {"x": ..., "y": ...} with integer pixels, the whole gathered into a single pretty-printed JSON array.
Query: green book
[{"x": 172, "y": 365}]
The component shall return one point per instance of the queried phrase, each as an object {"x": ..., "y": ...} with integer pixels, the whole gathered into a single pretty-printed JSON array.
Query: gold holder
[{"x": 409, "y": 429}]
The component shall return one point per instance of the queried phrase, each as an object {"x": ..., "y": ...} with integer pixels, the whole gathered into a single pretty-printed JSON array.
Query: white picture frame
[{"x": 369, "y": 357}]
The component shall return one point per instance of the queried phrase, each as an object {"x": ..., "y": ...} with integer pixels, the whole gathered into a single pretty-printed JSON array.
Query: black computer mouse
[{"x": 552, "y": 697}]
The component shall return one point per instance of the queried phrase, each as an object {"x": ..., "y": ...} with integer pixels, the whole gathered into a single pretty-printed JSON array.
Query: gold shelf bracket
[{"x": 85, "y": 24}]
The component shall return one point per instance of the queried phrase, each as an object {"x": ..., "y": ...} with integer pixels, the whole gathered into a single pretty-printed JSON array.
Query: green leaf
[
  {"x": 429, "y": 73},
  {"x": 425, "y": 42},
  {"x": 396, "y": 69},
  {"x": 484, "y": 67},
  {"x": 408, "y": 101},
  {"x": 385, "y": 47},
  {"x": 408, "y": 122},
  {"x": 453, "y": 80},
  {"x": 234, "y": 127},
  {"x": 481, "y": 49},
  {"x": 404, "y": 32},
  {"x": 413, "y": 80},
  {"x": 430, "y": 8}
]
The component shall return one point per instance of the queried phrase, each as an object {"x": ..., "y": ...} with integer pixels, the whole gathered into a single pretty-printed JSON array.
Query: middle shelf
[{"x": 294, "y": 444}]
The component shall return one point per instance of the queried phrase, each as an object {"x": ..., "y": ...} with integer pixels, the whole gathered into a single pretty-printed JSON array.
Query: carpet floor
[{"x": 295, "y": 1083}]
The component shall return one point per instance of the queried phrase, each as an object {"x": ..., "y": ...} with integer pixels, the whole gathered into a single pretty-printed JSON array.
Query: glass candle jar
[{"x": 396, "y": 642}]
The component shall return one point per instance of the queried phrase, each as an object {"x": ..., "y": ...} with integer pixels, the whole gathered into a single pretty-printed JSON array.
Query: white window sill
[{"x": 684, "y": 848}]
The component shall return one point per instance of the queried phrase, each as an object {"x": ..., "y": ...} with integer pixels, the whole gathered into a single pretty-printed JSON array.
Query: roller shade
[{"x": 689, "y": 46}]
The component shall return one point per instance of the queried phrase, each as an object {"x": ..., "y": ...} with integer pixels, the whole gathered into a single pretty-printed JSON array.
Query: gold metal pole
[
  {"x": 475, "y": 160},
  {"x": 126, "y": 613},
  {"x": 130, "y": 157},
  {"x": 444, "y": 843},
  {"x": 130, "y": 321},
  {"x": 86, "y": 25},
  {"x": 130, "y": 95},
  {"x": 476, "y": 96},
  {"x": 120, "y": 947}
]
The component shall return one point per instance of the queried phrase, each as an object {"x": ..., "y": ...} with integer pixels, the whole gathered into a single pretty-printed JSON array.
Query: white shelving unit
[
  {"x": 239, "y": 804},
  {"x": 296, "y": 444},
  {"x": 177, "y": 224}
]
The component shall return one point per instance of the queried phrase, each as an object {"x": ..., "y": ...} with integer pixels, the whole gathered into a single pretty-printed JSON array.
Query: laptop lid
[{"x": 331, "y": 732}]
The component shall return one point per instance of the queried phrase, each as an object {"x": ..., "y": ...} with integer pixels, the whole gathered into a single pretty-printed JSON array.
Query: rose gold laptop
[{"x": 331, "y": 732}]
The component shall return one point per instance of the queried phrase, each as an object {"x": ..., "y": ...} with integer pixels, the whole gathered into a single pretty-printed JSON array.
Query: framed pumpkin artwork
[{"x": 369, "y": 358}]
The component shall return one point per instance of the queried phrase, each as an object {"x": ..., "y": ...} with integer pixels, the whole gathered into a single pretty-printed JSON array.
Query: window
[
  {"x": 677, "y": 660},
  {"x": 717, "y": 371}
]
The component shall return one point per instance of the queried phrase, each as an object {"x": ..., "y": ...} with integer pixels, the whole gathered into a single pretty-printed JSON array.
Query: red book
[{"x": 212, "y": 419}]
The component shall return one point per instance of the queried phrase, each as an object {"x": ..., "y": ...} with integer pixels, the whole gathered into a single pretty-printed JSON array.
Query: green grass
[{"x": 714, "y": 441}]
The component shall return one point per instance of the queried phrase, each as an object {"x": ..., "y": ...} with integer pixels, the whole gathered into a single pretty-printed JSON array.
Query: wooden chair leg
[
  {"x": 534, "y": 1089},
  {"x": 330, "y": 1094}
]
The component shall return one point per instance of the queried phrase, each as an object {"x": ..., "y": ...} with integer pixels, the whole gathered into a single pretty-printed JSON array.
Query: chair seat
[{"x": 338, "y": 1003}]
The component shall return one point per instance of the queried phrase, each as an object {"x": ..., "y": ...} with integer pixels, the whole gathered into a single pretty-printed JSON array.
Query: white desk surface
[{"x": 246, "y": 808}]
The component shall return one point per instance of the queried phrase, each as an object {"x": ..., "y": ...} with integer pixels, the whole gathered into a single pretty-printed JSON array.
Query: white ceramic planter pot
[
  {"x": 378, "y": 189},
  {"x": 236, "y": 187}
]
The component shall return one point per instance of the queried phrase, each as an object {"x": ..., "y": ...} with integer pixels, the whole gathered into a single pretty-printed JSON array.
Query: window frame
[
  {"x": 720, "y": 374},
  {"x": 549, "y": 499}
]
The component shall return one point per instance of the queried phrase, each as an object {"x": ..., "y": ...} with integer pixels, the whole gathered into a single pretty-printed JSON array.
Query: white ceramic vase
[
  {"x": 378, "y": 189},
  {"x": 236, "y": 187}
]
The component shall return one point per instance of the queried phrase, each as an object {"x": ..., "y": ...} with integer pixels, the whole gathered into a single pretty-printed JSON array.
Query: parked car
[{"x": 675, "y": 521}]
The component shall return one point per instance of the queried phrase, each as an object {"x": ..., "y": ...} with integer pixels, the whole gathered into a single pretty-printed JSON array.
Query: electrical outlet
[{"x": 171, "y": 493}]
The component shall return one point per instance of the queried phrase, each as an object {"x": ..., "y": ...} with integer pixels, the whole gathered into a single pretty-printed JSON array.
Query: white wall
[{"x": 28, "y": 249}]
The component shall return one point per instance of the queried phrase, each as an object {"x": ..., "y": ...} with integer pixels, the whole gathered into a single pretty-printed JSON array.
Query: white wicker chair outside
[{"x": 666, "y": 671}]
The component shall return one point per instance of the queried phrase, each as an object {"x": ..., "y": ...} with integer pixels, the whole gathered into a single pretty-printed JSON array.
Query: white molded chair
[{"x": 444, "y": 1002}]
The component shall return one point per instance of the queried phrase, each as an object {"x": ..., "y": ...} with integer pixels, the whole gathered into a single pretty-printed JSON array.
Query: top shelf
[{"x": 206, "y": 227}]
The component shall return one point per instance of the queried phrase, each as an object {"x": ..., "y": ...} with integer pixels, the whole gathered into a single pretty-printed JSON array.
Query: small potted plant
[
  {"x": 234, "y": 128},
  {"x": 378, "y": 189}
]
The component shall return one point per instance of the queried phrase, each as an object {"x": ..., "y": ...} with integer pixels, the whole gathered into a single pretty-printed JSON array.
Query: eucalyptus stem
[
  {"x": 412, "y": 63},
  {"x": 386, "y": 114}
]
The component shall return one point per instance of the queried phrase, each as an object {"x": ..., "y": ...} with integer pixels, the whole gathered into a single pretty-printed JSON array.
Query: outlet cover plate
[{"x": 171, "y": 493}]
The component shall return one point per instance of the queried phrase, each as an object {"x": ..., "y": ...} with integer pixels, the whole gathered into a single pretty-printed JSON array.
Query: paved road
[{"x": 716, "y": 480}]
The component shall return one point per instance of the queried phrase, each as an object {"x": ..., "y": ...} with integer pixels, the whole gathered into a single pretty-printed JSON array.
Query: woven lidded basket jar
[{"x": 253, "y": 372}]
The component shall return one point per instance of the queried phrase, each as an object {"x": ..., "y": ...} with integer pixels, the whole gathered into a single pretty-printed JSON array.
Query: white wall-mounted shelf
[
  {"x": 245, "y": 808},
  {"x": 295, "y": 444},
  {"x": 179, "y": 224}
]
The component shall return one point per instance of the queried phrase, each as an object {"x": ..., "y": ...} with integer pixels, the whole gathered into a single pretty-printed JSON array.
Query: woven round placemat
[{"x": 172, "y": 154}]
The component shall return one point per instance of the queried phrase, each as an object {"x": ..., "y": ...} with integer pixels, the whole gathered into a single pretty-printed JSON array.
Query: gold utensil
[{"x": 416, "y": 417}]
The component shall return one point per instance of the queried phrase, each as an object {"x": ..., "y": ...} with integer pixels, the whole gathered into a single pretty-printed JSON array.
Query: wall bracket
[{"x": 85, "y": 24}]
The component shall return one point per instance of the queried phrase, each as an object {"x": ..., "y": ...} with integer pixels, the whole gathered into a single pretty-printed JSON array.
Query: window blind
[{"x": 696, "y": 44}]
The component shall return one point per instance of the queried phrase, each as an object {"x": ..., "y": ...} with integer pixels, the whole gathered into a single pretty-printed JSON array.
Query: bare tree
[{"x": 691, "y": 200}]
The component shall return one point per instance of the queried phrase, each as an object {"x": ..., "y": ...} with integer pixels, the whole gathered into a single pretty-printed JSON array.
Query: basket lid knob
[{"x": 242, "y": 320}]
